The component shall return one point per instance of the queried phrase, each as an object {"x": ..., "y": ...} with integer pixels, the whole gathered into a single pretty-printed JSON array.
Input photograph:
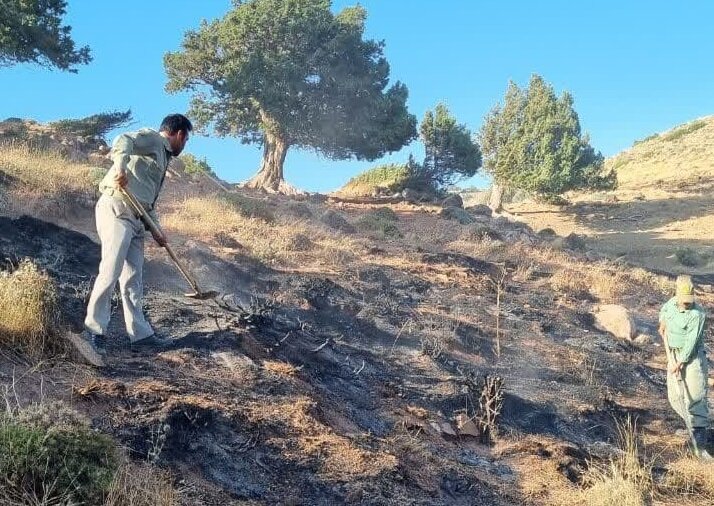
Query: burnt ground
[{"x": 336, "y": 394}]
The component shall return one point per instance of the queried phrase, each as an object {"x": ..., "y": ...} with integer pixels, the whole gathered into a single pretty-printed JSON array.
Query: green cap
[{"x": 685, "y": 289}]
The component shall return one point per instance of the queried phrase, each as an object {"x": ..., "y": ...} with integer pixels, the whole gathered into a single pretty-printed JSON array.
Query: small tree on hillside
[
  {"x": 96, "y": 125},
  {"x": 195, "y": 166},
  {"x": 534, "y": 142},
  {"x": 286, "y": 74},
  {"x": 31, "y": 31},
  {"x": 451, "y": 154}
]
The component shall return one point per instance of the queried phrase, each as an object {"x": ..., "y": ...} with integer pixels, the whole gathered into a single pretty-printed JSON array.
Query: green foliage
[
  {"x": 451, "y": 153},
  {"x": 293, "y": 74},
  {"x": 250, "y": 207},
  {"x": 49, "y": 452},
  {"x": 96, "y": 125},
  {"x": 194, "y": 166},
  {"x": 31, "y": 31},
  {"x": 533, "y": 142},
  {"x": 381, "y": 222},
  {"x": 393, "y": 177},
  {"x": 385, "y": 214},
  {"x": 688, "y": 257},
  {"x": 684, "y": 130}
]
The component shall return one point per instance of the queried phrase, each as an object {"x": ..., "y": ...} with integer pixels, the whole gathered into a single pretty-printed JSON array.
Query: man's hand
[
  {"x": 675, "y": 368},
  {"x": 121, "y": 179},
  {"x": 160, "y": 238}
]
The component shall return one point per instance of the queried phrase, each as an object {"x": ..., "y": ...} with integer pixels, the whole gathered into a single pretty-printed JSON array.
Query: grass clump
[
  {"x": 683, "y": 130},
  {"x": 29, "y": 310},
  {"x": 49, "y": 455},
  {"x": 627, "y": 479},
  {"x": 141, "y": 485},
  {"x": 381, "y": 222}
]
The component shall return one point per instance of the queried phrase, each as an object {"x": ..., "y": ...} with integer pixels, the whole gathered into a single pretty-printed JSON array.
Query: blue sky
[{"x": 634, "y": 67}]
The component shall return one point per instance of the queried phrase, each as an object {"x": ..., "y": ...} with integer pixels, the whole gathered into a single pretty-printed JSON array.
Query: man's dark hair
[{"x": 175, "y": 123}]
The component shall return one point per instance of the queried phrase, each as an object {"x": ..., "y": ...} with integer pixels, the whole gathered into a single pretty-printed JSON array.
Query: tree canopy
[
  {"x": 451, "y": 153},
  {"x": 533, "y": 141},
  {"x": 31, "y": 31},
  {"x": 290, "y": 73},
  {"x": 96, "y": 125}
]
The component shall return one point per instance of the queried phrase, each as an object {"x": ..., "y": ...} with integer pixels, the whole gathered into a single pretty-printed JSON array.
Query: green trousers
[{"x": 689, "y": 397}]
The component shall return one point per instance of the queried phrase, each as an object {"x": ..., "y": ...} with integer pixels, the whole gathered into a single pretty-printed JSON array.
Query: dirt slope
[{"x": 343, "y": 387}]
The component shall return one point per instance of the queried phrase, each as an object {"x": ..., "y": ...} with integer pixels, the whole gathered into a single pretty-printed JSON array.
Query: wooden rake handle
[{"x": 156, "y": 231}]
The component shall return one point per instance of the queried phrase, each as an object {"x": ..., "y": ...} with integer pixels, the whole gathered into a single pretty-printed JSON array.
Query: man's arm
[{"x": 122, "y": 149}]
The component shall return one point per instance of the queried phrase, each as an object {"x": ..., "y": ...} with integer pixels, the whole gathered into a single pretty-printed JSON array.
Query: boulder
[
  {"x": 616, "y": 320},
  {"x": 453, "y": 200},
  {"x": 457, "y": 214}
]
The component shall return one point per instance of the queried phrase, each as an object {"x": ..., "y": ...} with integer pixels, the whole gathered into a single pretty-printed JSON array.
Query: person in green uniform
[
  {"x": 682, "y": 328},
  {"x": 140, "y": 160}
]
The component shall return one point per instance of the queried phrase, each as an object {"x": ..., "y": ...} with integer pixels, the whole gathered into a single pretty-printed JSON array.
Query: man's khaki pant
[
  {"x": 691, "y": 403},
  {"x": 122, "y": 236}
]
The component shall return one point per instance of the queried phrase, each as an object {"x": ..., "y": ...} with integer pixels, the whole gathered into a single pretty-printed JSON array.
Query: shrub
[
  {"x": 648, "y": 138},
  {"x": 392, "y": 177},
  {"x": 48, "y": 452},
  {"x": 688, "y": 257},
  {"x": 335, "y": 220},
  {"x": 386, "y": 214},
  {"x": 29, "y": 313},
  {"x": 194, "y": 166},
  {"x": 250, "y": 207}
]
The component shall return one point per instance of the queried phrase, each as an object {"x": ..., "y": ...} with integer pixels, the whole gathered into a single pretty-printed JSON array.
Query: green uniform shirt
[
  {"x": 685, "y": 329},
  {"x": 144, "y": 155}
]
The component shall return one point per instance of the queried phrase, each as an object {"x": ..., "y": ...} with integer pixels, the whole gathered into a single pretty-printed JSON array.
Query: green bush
[
  {"x": 48, "y": 452},
  {"x": 685, "y": 129},
  {"x": 250, "y": 207},
  {"x": 688, "y": 257},
  {"x": 194, "y": 166},
  {"x": 393, "y": 177}
]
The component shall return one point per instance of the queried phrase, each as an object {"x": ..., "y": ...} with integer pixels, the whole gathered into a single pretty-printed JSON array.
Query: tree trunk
[
  {"x": 496, "y": 203},
  {"x": 270, "y": 176}
]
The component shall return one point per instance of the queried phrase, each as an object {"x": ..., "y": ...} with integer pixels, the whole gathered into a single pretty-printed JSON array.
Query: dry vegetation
[
  {"x": 137, "y": 484},
  {"x": 29, "y": 313},
  {"x": 279, "y": 240},
  {"x": 43, "y": 183}
]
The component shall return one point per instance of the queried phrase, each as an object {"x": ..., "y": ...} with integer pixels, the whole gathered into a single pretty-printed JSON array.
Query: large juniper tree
[
  {"x": 290, "y": 73},
  {"x": 533, "y": 142},
  {"x": 31, "y": 31}
]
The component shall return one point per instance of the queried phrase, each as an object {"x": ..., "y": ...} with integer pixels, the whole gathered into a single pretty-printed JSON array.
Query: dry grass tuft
[
  {"x": 625, "y": 481},
  {"x": 29, "y": 312},
  {"x": 690, "y": 476},
  {"x": 280, "y": 368},
  {"x": 302, "y": 437},
  {"x": 141, "y": 485}
]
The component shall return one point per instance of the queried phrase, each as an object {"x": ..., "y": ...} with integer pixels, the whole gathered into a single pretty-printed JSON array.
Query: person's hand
[
  {"x": 121, "y": 179},
  {"x": 160, "y": 238},
  {"x": 675, "y": 368}
]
